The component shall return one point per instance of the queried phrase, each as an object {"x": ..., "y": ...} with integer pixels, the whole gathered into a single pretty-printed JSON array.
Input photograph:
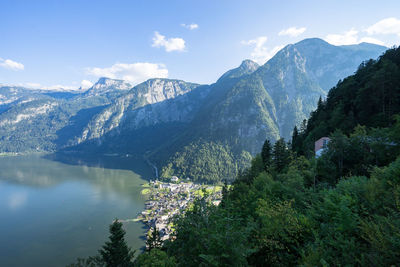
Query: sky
[{"x": 70, "y": 44}]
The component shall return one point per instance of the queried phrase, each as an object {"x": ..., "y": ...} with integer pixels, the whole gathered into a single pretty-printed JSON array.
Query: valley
[
  {"x": 199, "y": 133},
  {"x": 180, "y": 125}
]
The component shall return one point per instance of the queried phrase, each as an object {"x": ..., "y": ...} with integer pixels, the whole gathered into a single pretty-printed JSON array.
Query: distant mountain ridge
[
  {"x": 189, "y": 129},
  {"x": 106, "y": 85},
  {"x": 136, "y": 107}
]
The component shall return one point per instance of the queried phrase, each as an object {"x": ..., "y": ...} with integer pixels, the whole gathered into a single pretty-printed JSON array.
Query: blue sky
[{"x": 72, "y": 43}]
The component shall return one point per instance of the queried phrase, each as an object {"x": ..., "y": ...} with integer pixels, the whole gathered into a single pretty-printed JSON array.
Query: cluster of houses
[{"x": 169, "y": 199}]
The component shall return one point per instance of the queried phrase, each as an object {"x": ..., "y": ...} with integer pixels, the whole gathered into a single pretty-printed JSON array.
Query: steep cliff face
[
  {"x": 293, "y": 92},
  {"x": 144, "y": 105}
]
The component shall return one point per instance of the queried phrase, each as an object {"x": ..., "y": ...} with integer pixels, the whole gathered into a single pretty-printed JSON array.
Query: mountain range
[{"x": 203, "y": 132}]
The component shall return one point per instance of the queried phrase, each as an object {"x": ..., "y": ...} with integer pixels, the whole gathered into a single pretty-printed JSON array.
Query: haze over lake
[{"x": 53, "y": 212}]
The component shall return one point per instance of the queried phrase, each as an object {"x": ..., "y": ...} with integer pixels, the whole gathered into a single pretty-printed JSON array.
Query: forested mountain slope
[
  {"x": 341, "y": 209},
  {"x": 241, "y": 112}
]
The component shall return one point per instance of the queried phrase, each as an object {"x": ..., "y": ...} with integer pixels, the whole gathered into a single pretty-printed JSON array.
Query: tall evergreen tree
[
  {"x": 116, "y": 253},
  {"x": 320, "y": 103},
  {"x": 295, "y": 137},
  {"x": 281, "y": 155},
  {"x": 303, "y": 126},
  {"x": 266, "y": 154}
]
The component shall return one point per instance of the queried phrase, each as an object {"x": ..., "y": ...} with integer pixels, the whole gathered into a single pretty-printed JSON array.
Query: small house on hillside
[
  {"x": 320, "y": 145},
  {"x": 174, "y": 179}
]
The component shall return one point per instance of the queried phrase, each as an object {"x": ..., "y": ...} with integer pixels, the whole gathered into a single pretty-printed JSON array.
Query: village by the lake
[{"x": 167, "y": 199}]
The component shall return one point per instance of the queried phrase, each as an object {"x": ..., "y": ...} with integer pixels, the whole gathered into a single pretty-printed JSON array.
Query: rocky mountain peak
[
  {"x": 105, "y": 85},
  {"x": 249, "y": 65},
  {"x": 246, "y": 67}
]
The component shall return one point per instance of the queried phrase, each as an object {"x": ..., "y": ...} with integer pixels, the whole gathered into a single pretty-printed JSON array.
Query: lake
[{"x": 54, "y": 209}]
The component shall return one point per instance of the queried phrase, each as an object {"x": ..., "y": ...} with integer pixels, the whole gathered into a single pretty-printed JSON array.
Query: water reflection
[
  {"x": 109, "y": 174},
  {"x": 53, "y": 210},
  {"x": 17, "y": 200}
]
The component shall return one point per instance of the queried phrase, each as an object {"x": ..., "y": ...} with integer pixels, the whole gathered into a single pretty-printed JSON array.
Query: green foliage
[
  {"x": 116, "y": 252},
  {"x": 342, "y": 209},
  {"x": 281, "y": 155},
  {"x": 206, "y": 236},
  {"x": 281, "y": 232},
  {"x": 266, "y": 154},
  {"x": 370, "y": 97},
  {"x": 206, "y": 162},
  {"x": 155, "y": 258}
]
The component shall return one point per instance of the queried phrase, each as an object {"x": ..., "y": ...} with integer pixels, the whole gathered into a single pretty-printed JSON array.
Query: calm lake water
[{"x": 55, "y": 209}]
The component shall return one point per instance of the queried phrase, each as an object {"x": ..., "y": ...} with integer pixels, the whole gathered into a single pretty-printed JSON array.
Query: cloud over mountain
[
  {"x": 292, "y": 31},
  {"x": 351, "y": 37},
  {"x": 385, "y": 26},
  {"x": 261, "y": 53},
  {"x": 134, "y": 72}
]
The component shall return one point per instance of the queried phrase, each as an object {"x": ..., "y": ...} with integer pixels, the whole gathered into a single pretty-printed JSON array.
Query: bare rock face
[
  {"x": 163, "y": 89},
  {"x": 143, "y": 105},
  {"x": 106, "y": 85}
]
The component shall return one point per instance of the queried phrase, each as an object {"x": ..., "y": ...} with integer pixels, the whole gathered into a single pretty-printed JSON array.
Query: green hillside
[
  {"x": 241, "y": 112},
  {"x": 341, "y": 209}
]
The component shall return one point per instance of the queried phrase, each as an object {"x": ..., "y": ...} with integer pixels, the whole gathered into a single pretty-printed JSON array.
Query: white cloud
[
  {"x": 85, "y": 84},
  {"x": 192, "y": 26},
  {"x": 55, "y": 87},
  {"x": 371, "y": 41},
  {"x": 134, "y": 73},
  {"x": 10, "y": 64},
  {"x": 170, "y": 44},
  {"x": 385, "y": 26},
  {"x": 349, "y": 37},
  {"x": 292, "y": 31},
  {"x": 261, "y": 53},
  {"x": 32, "y": 85},
  {"x": 60, "y": 87}
]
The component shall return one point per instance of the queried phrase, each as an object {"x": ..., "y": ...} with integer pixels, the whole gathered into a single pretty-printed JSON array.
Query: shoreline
[{"x": 169, "y": 199}]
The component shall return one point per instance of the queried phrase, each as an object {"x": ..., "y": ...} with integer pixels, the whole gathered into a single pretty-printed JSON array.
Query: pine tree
[
  {"x": 281, "y": 155},
  {"x": 224, "y": 193},
  {"x": 116, "y": 253},
  {"x": 303, "y": 126},
  {"x": 320, "y": 103},
  {"x": 266, "y": 154},
  {"x": 225, "y": 189},
  {"x": 295, "y": 137},
  {"x": 154, "y": 240}
]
